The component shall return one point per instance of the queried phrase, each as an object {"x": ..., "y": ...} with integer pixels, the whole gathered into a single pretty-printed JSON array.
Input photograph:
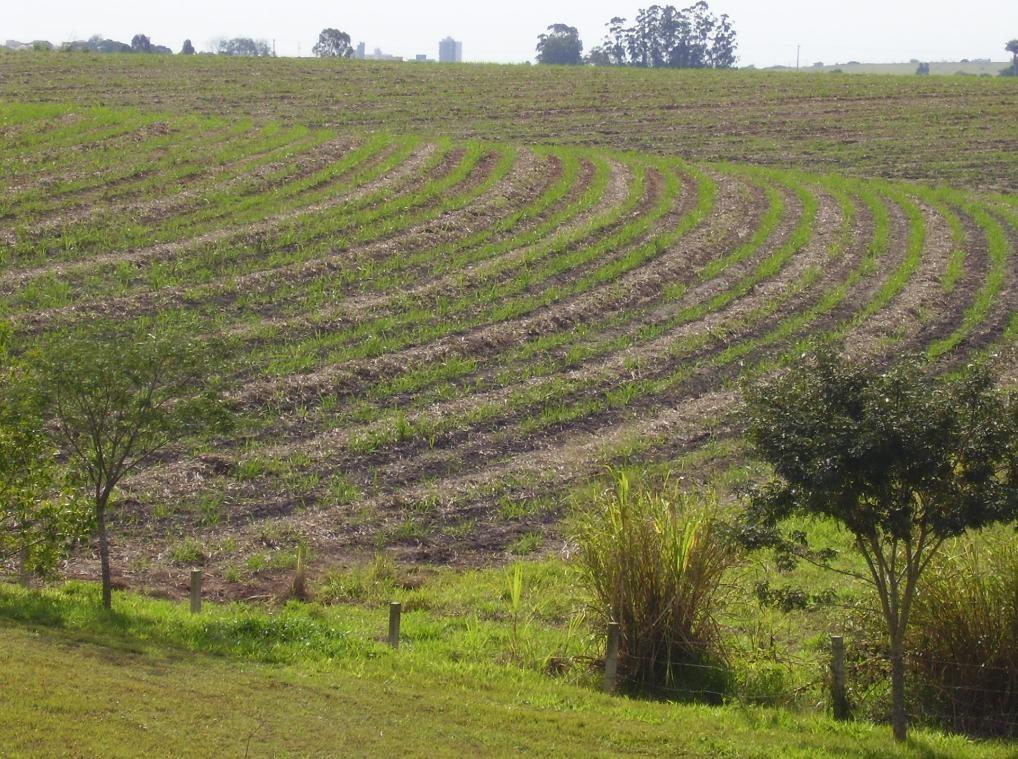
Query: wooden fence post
[
  {"x": 839, "y": 699},
  {"x": 24, "y": 574},
  {"x": 196, "y": 580},
  {"x": 611, "y": 658},
  {"x": 394, "y": 614}
]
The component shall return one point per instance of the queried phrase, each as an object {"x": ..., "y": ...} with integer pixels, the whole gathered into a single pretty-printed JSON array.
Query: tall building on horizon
[{"x": 450, "y": 51}]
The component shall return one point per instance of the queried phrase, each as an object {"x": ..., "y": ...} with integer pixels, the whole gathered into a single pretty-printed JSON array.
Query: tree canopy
[
  {"x": 561, "y": 45},
  {"x": 39, "y": 517},
  {"x": 333, "y": 43},
  {"x": 244, "y": 46},
  {"x": 97, "y": 44},
  {"x": 904, "y": 460},
  {"x": 664, "y": 36},
  {"x": 141, "y": 44}
]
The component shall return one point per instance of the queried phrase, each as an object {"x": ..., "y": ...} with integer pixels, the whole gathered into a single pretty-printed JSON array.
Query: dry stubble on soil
[
  {"x": 953, "y": 129},
  {"x": 428, "y": 341}
]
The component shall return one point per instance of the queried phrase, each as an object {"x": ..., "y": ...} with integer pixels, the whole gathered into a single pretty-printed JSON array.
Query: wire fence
[
  {"x": 977, "y": 698},
  {"x": 983, "y": 701}
]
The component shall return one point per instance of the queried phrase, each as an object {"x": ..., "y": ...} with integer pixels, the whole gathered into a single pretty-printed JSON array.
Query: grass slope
[{"x": 76, "y": 682}]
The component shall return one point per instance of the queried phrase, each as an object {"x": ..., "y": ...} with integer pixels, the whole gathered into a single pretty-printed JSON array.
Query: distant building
[
  {"x": 421, "y": 58},
  {"x": 360, "y": 53},
  {"x": 450, "y": 51},
  {"x": 378, "y": 55}
]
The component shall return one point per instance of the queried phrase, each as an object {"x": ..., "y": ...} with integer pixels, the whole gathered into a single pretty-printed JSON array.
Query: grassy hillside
[
  {"x": 442, "y": 301},
  {"x": 152, "y": 679},
  {"x": 956, "y": 130}
]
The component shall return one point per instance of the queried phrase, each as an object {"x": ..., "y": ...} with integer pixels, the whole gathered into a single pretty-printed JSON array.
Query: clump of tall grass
[
  {"x": 654, "y": 561},
  {"x": 964, "y": 640}
]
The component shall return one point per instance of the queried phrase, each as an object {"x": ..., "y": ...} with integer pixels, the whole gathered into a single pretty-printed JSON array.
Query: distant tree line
[
  {"x": 243, "y": 46},
  {"x": 662, "y": 36},
  {"x": 140, "y": 43}
]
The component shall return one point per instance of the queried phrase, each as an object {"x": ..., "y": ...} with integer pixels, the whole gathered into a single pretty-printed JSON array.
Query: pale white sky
[{"x": 832, "y": 31}]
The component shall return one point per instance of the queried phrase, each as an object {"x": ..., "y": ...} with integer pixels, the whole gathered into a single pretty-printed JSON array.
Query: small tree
[
  {"x": 1012, "y": 48},
  {"x": 187, "y": 48},
  {"x": 561, "y": 45},
  {"x": 724, "y": 44},
  {"x": 39, "y": 518},
  {"x": 119, "y": 397},
  {"x": 923, "y": 69},
  {"x": 900, "y": 458},
  {"x": 333, "y": 43},
  {"x": 141, "y": 44},
  {"x": 243, "y": 46}
]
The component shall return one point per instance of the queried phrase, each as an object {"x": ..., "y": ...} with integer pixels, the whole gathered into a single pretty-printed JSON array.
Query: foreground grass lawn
[{"x": 71, "y": 687}]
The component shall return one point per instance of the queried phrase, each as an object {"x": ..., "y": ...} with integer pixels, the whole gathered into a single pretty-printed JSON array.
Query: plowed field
[
  {"x": 431, "y": 339},
  {"x": 954, "y": 129}
]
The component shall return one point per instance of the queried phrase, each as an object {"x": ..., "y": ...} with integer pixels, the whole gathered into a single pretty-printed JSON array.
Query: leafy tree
[
  {"x": 561, "y": 45},
  {"x": 902, "y": 459},
  {"x": 923, "y": 69},
  {"x": 96, "y": 44},
  {"x": 333, "y": 43},
  {"x": 120, "y": 396},
  {"x": 141, "y": 44},
  {"x": 723, "y": 44},
  {"x": 664, "y": 36},
  {"x": 612, "y": 51},
  {"x": 1012, "y": 48},
  {"x": 244, "y": 46},
  {"x": 39, "y": 517},
  {"x": 187, "y": 49}
]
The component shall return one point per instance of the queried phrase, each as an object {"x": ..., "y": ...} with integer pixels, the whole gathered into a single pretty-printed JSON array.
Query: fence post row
[
  {"x": 611, "y": 658},
  {"x": 196, "y": 580},
  {"x": 839, "y": 699},
  {"x": 394, "y": 614}
]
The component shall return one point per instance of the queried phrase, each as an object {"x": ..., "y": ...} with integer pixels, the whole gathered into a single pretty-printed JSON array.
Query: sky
[{"x": 769, "y": 33}]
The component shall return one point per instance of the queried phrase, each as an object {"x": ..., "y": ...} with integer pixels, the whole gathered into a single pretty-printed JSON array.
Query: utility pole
[{"x": 797, "y": 49}]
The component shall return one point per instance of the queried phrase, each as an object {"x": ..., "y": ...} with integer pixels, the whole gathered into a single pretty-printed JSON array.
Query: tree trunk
[
  {"x": 899, "y": 718},
  {"x": 104, "y": 554}
]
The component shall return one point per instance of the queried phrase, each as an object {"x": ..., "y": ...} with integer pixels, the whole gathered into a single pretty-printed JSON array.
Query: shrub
[
  {"x": 654, "y": 562},
  {"x": 962, "y": 649},
  {"x": 964, "y": 642}
]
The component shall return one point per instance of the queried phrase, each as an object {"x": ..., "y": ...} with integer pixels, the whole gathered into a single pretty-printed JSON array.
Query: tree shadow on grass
[{"x": 282, "y": 636}]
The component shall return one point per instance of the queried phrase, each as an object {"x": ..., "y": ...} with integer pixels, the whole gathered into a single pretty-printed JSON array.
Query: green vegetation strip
[{"x": 308, "y": 680}]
